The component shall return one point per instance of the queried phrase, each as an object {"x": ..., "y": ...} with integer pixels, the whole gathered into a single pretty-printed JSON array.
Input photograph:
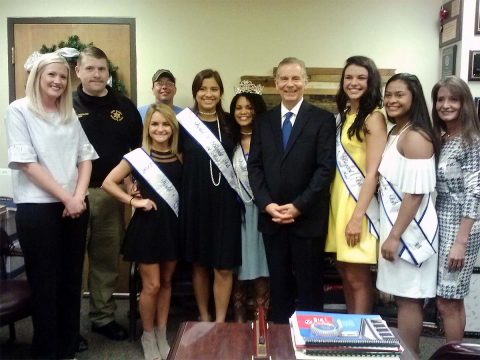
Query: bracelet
[{"x": 133, "y": 197}]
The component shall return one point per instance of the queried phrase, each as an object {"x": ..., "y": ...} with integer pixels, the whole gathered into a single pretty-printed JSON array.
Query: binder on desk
[{"x": 350, "y": 335}]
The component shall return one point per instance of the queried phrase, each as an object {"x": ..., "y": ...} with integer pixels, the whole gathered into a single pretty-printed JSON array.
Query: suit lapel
[
  {"x": 276, "y": 125},
  {"x": 300, "y": 121}
]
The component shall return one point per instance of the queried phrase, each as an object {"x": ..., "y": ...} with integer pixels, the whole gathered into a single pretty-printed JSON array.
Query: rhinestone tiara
[{"x": 246, "y": 86}]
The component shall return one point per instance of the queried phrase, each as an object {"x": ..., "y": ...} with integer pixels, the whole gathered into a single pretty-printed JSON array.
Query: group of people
[
  {"x": 253, "y": 194},
  {"x": 427, "y": 248}
]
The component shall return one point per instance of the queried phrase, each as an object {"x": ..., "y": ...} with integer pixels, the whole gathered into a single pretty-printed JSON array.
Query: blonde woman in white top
[
  {"x": 51, "y": 160},
  {"x": 407, "y": 264}
]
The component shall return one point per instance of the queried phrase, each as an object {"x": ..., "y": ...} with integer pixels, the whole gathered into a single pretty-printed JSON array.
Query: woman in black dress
[
  {"x": 210, "y": 215},
  {"x": 152, "y": 237}
]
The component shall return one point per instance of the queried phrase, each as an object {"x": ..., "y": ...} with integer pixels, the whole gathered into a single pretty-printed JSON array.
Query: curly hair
[{"x": 258, "y": 105}]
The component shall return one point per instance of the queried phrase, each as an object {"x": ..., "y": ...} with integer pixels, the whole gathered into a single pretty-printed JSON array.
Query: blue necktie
[{"x": 286, "y": 128}]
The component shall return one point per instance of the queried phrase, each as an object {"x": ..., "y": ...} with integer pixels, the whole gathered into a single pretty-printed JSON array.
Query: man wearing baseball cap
[{"x": 164, "y": 89}]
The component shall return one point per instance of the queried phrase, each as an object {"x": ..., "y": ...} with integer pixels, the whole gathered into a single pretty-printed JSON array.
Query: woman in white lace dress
[
  {"x": 458, "y": 203},
  {"x": 407, "y": 265}
]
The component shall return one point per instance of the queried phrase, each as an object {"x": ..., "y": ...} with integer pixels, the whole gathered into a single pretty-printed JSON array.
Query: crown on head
[{"x": 246, "y": 86}]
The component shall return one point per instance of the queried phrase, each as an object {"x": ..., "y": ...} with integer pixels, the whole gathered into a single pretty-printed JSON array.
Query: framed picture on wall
[
  {"x": 449, "y": 60},
  {"x": 451, "y": 32},
  {"x": 477, "y": 18},
  {"x": 451, "y": 26},
  {"x": 474, "y": 66}
]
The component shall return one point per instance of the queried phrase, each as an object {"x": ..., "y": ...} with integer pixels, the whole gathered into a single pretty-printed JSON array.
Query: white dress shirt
[{"x": 294, "y": 111}]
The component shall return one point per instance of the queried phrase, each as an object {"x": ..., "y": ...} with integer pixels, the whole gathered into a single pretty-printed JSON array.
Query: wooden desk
[{"x": 232, "y": 341}]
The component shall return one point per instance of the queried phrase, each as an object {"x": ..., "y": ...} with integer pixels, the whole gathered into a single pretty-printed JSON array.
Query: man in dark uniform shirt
[{"x": 114, "y": 127}]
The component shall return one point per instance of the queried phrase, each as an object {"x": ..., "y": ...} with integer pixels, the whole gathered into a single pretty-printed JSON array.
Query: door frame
[{"x": 11, "y": 22}]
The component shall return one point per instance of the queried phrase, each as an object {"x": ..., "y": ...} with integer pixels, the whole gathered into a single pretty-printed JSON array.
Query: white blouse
[
  {"x": 58, "y": 146},
  {"x": 411, "y": 176}
]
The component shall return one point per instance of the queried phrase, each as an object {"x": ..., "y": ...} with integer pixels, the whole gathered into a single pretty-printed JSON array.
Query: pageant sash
[
  {"x": 240, "y": 167},
  {"x": 420, "y": 239},
  {"x": 353, "y": 179},
  {"x": 197, "y": 129},
  {"x": 159, "y": 182}
]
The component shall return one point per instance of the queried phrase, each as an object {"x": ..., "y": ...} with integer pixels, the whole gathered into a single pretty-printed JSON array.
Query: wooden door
[{"x": 115, "y": 36}]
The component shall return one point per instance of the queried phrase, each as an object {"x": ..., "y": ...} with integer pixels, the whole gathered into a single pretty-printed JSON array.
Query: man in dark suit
[{"x": 290, "y": 166}]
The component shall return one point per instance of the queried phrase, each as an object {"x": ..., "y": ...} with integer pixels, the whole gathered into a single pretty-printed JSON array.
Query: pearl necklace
[
  {"x": 211, "y": 171},
  {"x": 207, "y": 113}
]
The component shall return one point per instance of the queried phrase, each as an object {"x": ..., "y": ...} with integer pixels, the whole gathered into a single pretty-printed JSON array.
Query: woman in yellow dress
[{"x": 353, "y": 222}]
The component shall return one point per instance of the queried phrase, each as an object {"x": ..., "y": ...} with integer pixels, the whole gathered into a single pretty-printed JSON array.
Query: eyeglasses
[{"x": 167, "y": 84}]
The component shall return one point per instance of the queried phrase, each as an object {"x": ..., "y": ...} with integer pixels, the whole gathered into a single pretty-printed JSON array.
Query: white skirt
[{"x": 402, "y": 278}]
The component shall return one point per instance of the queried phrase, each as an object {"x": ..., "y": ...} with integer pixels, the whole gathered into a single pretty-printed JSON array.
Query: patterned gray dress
[{"x": 458, "y": 187}]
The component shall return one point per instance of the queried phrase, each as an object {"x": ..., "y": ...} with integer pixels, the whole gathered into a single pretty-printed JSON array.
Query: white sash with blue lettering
[
  {"x": 197, "y": 129},
  {"x": 420, "y": 239},
  {"x": 353, "y": 179},
  {"x": 240, "y": 166},
  {"x": 159, "y": 182}
]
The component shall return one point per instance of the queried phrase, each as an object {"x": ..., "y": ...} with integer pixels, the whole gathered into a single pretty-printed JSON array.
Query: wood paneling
[{"x": 321, "y": 88}]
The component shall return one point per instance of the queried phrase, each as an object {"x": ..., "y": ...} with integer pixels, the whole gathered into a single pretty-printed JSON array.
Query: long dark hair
[
  {"x": 370, "y": 100},
  {"x": 197, "y": 84},
  {"x": 418, "y": 113},
  {"x": 467, "y": 116},
  {"x": 258, "y": 105}
]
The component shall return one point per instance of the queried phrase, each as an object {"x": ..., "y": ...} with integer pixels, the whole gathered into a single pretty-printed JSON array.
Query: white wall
[{"x": 249, "y": 37}]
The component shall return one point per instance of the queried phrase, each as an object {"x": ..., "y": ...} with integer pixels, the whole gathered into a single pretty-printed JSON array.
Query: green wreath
[{"x": 74, "y": 42}]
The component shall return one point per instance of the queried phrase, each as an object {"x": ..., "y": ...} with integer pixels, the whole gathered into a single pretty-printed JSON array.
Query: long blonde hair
[
  {"x": 33, "y": 91},
  {"x": 169, "y": 115}
]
